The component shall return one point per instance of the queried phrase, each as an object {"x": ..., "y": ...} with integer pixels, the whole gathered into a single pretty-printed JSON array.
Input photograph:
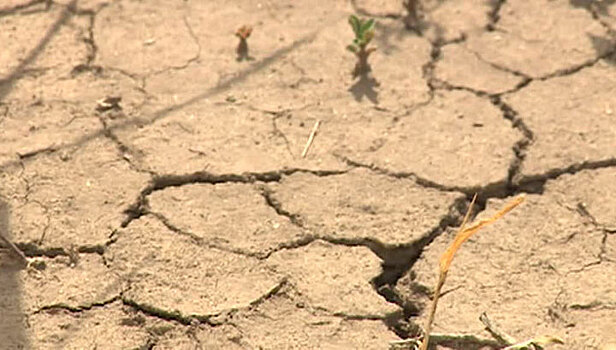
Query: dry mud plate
[{"x": 164, "y": 192}]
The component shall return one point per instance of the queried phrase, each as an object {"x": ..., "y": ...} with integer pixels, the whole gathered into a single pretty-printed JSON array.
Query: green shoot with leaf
[{"x": 364, "y": 33}]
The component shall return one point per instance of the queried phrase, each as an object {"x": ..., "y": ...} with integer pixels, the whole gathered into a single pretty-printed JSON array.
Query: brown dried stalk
[{"x": 445, "y": 262}]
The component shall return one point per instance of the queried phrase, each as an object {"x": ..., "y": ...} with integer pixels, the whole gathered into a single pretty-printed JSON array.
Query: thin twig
[
  {"x": 437, "y": 294},
  {"x": 440, "y": 338},
  {"x": 4, "y": 229},
  {"x": 441, "y": 281},
  {"x": 499, "y": 335},
  {"x": 14, "y": 248},
  {"x": 311, "y": 138}
]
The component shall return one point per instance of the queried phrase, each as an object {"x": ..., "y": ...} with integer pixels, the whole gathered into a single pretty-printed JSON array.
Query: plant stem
[
  {"x": 4, "y": 229},
  {"x": 411, "y": 20},
  {"x": 362, "y": 66},
  {"x": 242, "y": 50},
  {"x": 437, "y": 293}
]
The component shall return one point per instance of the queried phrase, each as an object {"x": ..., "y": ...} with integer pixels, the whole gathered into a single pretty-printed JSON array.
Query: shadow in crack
[
  {"x": 604, "y": 47},
  {"x": 12, "y": 319},
  {"x": 598, "y": 7},
  {"x": 417, "y": 18},
  {"x": 161, "y": 113},
  {"x": 6, "y": 83},
  {"x": 364, "y": 87}
]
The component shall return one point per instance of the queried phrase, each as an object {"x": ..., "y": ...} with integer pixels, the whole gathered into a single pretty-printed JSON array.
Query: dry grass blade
[
  {"x": 313, "y": 133},
  {"x": 441, "y": 281},
  {"x": 445, "y": 262},
  {"x": 536, "y": 343},
  {"x": 464, "y": 234}
]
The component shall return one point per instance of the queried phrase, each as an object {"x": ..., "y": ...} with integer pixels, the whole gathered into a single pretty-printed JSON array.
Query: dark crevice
[
  {"x": 502, "y": 68},
  {"x": 259, "y": 255},
  {"x": 77, "y": 309},
  {"x": 496, "y": 189},
  {"x": 536, "y": 183},
  {"x": 500, "y": 189},
  {"x": 280, "y": 133},
  {"x": 89, "y": 40},
  {"x": 519, "y": 148},
  {"x": 597, "y": 9},
  {"x": 435, "y": 55},
  {"x": 165, "y": 221},
  {"x": 302, "y": 242},
  {"x": 494, "y": 13},
  {"x": 188, "y": 62},
  {"x": 193, "y": 36},
  {"x": 354, "y": 317},
  {"x": 160, "y": 182},
  {"x": 445, "y": 85},
  {"x": 576, "y": 68},
  {"x": 164, "y": 314},
  {"x": 36, "y": 152},
  {"x": 428, "y": 68},
  {"x": 92, "y": 249},
  {"x": 271, "y": 293},
  {"x": 271, "y": 201},
  {"x": 525, "y": 79},
  {"x": 603, "y": 250},
  {"x": 200, "y": 241},
  {"x": 191, "y": 320},
  {"x": 438, "y": 84},
  {"x": 125, "y": 152},
  {"x": 519, "y": 86},
  {"x": 517, "y": 182},
  {"x": 122, "y": 148},
  {"x": 397, "y": 261},
  {"x": 149, "y": 344},
  {"x": 33, "y": 250}
]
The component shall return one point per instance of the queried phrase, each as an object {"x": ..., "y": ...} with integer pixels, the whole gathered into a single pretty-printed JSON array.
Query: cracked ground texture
[{"x": 187, "y": 218}]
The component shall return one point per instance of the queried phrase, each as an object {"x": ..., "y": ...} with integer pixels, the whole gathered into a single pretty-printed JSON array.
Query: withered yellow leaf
[
  {"x": 540, "y": 341},
  {"x": 465, "y": 233}
]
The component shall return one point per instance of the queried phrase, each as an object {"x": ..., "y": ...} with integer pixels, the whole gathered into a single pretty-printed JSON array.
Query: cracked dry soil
[{"x": 186, "y": 218}]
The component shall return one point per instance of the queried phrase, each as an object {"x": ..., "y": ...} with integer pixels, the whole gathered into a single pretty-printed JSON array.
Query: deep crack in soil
[{"x": 509, "y": 100}]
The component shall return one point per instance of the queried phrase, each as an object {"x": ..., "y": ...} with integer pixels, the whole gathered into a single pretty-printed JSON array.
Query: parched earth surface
[{"x": 183, "y": 215}]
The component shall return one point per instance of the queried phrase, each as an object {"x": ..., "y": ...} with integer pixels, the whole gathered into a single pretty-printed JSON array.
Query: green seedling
[
  {"x": 242, "y": 48},
  {"x": 364, "y": 33}
]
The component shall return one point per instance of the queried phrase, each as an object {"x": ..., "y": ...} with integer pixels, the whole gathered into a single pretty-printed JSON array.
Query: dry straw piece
[
  {"x": 445, "y": 262},
  {"x": 313, "y": 133}
]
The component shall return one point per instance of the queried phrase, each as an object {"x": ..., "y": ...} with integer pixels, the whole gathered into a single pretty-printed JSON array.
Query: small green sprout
[{"x": 364, "y": 33}]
